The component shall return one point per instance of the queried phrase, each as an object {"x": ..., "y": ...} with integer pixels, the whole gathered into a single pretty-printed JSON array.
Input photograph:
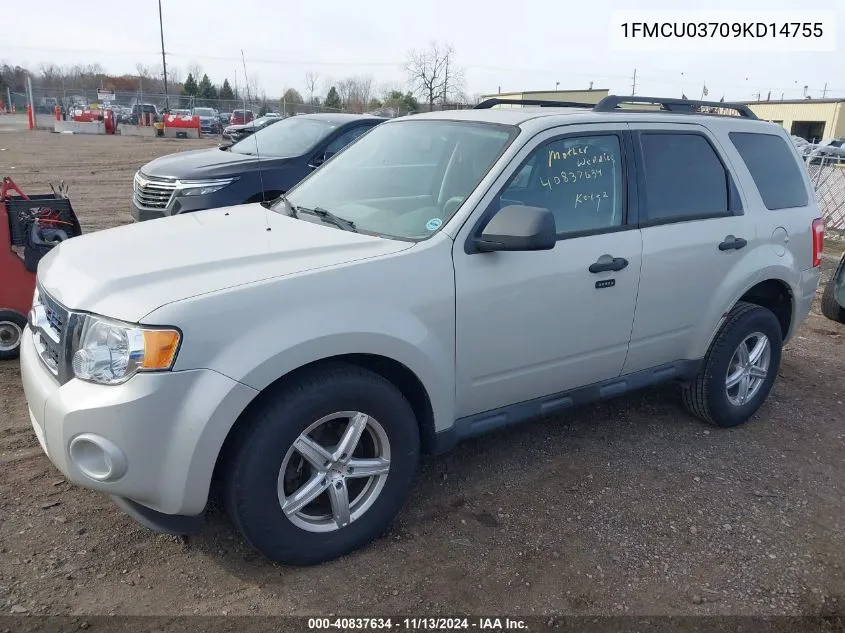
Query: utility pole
[
  {"x": 163, "y": 60},
  {"x": 634, "y": 84},
  {"x": 31, "y": 101},
  {"x": 824, "y": 92}
]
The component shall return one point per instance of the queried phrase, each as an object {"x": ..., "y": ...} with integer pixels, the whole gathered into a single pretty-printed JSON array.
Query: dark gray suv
[
  {"x": 260, "y": 167},
  {"x": 833, "y": 298}
]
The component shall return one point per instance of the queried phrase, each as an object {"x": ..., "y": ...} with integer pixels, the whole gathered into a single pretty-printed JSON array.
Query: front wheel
[
  {"x": 11, "y": 332},
  {"x": 323, "y": 465},
  {"x": 739, "y": 369}
]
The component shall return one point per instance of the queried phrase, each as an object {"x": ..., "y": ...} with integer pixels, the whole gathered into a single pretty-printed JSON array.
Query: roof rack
[
  {"x": 683, "y": 106},
  {"x": 489, "y": 103}
]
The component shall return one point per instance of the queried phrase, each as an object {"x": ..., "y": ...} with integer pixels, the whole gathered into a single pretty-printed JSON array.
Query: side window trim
[
  {"x": 734, "y": 200},
  {"x": 629, "y": 203}
]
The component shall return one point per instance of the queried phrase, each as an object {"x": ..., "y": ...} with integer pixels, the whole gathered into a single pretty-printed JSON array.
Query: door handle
[
  {"x": 607, "y": 263},
  {"x": 732, "y": 243}
]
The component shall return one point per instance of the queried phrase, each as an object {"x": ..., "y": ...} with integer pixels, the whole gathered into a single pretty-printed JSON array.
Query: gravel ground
[{"x": 625, "y": 507}]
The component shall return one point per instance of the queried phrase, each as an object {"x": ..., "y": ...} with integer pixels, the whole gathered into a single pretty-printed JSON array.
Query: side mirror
[
  {"x": 319, "y": 160},
  {"x": 518, "y": 228}
]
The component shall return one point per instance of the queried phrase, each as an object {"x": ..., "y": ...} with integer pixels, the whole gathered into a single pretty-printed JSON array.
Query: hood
[
  {"x": 129, "y": 271},
  {"x": 198, "y": 164}
]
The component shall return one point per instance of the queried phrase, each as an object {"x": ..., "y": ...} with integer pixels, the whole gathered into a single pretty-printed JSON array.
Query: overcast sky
[{"x": 525, "y": 45}]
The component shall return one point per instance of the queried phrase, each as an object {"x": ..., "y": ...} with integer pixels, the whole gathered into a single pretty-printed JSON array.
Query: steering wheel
[{"x": 452, "y": 204}]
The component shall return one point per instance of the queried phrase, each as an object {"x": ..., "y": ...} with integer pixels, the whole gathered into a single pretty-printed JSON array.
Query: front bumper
[
  {"x": 153, "y": 440},
  {"x": 139, "y": 214}
]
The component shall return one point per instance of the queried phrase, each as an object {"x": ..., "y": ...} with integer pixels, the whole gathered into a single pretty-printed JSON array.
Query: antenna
[{"x": 257, "y": 153}]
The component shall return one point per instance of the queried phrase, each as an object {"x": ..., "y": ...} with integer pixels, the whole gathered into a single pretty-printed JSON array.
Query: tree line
[{"x": 432, "y": 77}]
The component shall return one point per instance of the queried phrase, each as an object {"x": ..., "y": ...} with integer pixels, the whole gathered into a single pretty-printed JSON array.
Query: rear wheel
[
  {"x": 739, "y": 369},
  {"x": 830, "y": 308},
  {"x": 11, "y": 331},
  {"x": 322, "y": 466}
]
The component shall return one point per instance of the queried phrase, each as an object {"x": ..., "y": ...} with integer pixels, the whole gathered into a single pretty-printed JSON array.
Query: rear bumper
[{"x": 805, "y": 294}]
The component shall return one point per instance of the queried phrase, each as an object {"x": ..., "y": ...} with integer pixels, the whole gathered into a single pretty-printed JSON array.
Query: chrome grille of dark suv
[{"x": 153, "y": 193}]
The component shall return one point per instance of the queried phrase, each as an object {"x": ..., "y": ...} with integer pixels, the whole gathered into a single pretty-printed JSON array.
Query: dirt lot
[{"x": 626, "y": 507}]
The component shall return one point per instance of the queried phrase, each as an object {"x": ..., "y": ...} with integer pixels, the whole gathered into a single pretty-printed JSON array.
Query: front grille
[
  {"x": 50, "y": 328},
  {"x": 153, "y": 193}
]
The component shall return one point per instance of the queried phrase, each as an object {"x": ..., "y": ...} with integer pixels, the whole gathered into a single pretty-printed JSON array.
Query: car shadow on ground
[{"x": 537, "y": 449}]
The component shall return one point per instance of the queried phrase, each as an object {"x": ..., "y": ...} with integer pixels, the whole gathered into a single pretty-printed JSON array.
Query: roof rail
[
  {"x": 489, "y": 103},
  {"x": 683, "y": 106}
]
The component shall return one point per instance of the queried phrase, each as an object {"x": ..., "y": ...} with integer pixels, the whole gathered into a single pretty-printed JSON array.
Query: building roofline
[{"x": 776, "y": 101}]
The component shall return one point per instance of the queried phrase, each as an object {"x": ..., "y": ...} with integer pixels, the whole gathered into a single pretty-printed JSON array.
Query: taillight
[{"x": 818, "y": 241}]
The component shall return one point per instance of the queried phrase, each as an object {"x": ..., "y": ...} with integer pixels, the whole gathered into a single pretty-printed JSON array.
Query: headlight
[
  {"x": 204, "y": 187},
  {"x": 111, "y": 352}
]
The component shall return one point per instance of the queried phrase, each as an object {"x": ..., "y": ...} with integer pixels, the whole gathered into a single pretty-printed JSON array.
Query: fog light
[{"x": 97, "y": 458}]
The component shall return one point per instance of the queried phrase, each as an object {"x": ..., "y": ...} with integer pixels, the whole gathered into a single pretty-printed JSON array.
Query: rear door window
[
  {"x": 773, "y": 168},
  {"x": 684, "y": 178}
]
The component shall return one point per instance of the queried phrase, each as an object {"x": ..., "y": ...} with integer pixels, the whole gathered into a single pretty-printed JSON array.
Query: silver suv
[{"x": 447, "y": 274}]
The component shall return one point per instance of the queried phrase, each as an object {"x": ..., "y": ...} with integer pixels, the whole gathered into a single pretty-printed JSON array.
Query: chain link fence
[
  {"x": 46, "y": 99},
  {"x": 828, "y": 178}
]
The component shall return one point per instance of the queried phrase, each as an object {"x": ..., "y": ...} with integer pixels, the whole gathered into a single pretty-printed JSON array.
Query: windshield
[
  {"x": 203, "y": 112},
  {"x": 262, "y": 120},
  {"x": 404, "y": 179},
  {"x": 287, "y": 138}
]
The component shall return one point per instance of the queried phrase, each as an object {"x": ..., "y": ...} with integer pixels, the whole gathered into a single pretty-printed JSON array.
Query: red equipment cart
[{"x": 29, "y": 227}]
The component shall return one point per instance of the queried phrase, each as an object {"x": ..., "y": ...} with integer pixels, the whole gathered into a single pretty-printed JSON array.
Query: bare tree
[
  {"x": 51, "y": 75},
  {"x": 195, "y": 69},
  {"x": 174, "y": 75},
  {"x": 355, "y": 92},
  {"x": 432, "y": 73},
  {"x": 344, "y": 89},
  {"x": 364, "y": 88},
  {"x": 144, "y": 71},
  {"x": 311, "y": 79}
]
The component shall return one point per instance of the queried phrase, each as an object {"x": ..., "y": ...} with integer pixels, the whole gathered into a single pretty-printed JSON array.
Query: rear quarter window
[{"x": 773, "y": 168}]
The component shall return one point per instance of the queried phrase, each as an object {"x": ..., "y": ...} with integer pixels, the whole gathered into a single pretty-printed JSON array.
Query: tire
[
  {"x": 707, "y": 396},
  {"x": 255, "y": 475},
  {"x": 830, "y": 308},
  {"x": 11, "y": 328}
]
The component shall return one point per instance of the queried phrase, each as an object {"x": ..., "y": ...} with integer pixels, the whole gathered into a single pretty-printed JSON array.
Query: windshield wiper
[{"x": 328, "y": 216}]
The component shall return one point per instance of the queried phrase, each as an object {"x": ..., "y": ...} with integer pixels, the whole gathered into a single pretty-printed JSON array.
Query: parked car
[
  {"x": 209, "y": 123},
  {"x": 146, "y": 108},
  {"x": 237, "y": 133},
  {"x": 261, "y": 167},
  {"x": 447, "y": 274},
  {"x": 180, "y": 112},
  {"x": 827, "y": 151},
  {"x": 833, "y": 297},
  {"x": 239, "y": 117},
  {"x": 47, "y": 105},
  {"x": 225, "y": 118}
]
